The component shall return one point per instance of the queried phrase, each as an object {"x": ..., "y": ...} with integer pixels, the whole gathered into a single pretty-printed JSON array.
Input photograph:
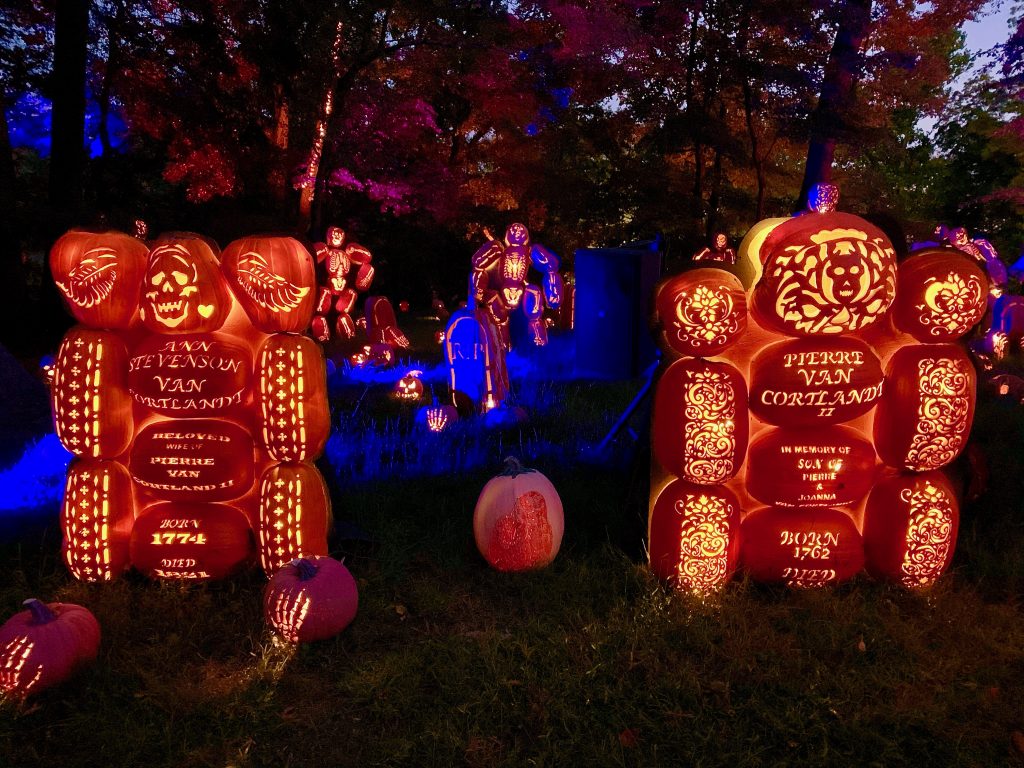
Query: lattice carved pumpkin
[
  {"x": 850, "y": 379},
  {"x": 190, "y": 415}
]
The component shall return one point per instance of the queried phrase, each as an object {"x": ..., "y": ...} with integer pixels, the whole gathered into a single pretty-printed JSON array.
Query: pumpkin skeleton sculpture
[
  {"x": 801, "y": 422},
  {"x": 499, "y": 283},
  {"x": 192, "y": 403},
  {"x": 337, "y": 294}
]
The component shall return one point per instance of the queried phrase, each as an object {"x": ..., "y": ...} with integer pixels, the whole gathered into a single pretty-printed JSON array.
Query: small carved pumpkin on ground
[
  {"x": 311, "y": 598},
  {"x": 518, "y": 520},
  {"x": 45, "y": 645}
]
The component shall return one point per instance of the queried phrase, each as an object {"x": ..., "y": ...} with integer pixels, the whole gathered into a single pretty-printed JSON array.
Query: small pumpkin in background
[
  {"x": 311, "y": 598},
  {"x": 518, "y": 520},
  {"x": 45, "y": 645}
]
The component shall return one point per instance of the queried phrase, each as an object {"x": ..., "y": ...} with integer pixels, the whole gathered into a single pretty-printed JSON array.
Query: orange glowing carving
[
  {"x": 14, "y": 656},
  {"x": 944, "y": 413},
  {"x": 709, "y": 442},
  {"x": 706, "y": 316},
  {"x": 292, "y": 397},
  {"x": 703, "y": 543},
  {"x": 91, "y": 281},
  {"x": 808, "y": 578},
  {"x": 288, "y": 612},
  {"x": 96, "y": 517},
  {"x": 265, "y": 287},
  {"x": 293, "y": 515},
  {"x": 951, "y": 306},
  {"x": 929, "y": 535}
]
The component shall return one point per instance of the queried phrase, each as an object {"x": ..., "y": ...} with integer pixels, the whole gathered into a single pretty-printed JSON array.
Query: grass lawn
[{"x": 591, "y": 662}]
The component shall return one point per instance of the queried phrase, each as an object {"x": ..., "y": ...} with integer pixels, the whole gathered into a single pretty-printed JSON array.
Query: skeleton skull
[
  {"x": 845, "y": 274},
  {"x": 172, "y": 282}
]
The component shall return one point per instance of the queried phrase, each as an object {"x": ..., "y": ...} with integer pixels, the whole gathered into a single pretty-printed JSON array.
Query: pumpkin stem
[
  {"x": 307, "y": 570},
  {"x": 41, "y": 614},
  {"x": 514, "y": 467}
]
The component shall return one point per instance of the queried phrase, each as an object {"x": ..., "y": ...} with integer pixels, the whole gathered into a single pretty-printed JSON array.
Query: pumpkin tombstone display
[
  {"x": 847, "y": 362},
  {"x": 518, "y": 520},
  {"x": 187, "y": 416},
  {"x": 910, "y": 527},
  {"x": 475, "y": 358},
  {"x": 45, "y": 645},
  {"x": 310, "y": 598}
]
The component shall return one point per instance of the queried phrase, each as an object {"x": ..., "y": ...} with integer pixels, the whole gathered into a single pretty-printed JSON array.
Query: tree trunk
[
  {"x": 67, "y": 136},
  {"x": 12, "y": 276},
  {"x": 830, "y": 118}
]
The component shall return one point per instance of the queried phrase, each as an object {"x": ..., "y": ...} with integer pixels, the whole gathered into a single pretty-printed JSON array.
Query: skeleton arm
[
  {"x": 547, "y": 262},
  {"x": 486, "y": 256},
  {"x": 360, "y": 254}
]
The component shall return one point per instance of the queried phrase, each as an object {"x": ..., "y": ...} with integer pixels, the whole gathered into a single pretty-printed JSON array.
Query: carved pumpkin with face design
[
  {"x": 184, "y": 290},
  {"x": 99, "y": 274}
]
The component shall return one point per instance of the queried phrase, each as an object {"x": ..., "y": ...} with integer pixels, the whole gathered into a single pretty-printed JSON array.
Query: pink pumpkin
[
  {"x": 518, "y": 521},
  {"x": 45, "y": 645},
  {"x": 311, "y": 598}
]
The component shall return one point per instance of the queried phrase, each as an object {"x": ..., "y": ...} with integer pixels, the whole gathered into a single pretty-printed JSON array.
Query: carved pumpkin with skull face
[{"x": 183, "y": 290}]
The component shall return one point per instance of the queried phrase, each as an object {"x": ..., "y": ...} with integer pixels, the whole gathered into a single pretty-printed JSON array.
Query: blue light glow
[{"x": 37, "y": 478}]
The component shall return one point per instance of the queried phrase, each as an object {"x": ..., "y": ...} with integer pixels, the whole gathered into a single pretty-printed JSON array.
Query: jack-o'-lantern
[
  {"x": 910, "y": 527},
  {"x": 695, "y": 536},
  {"x": 924, "y": 417},
  {"x": 274, "y": 278},
  {"x": 518, "y": 520},
  {"x": 99, "y": 275},
  {"x": 409, "y": 387},
  {"x": 700, "y": 421},
  {"x": 801, "y": 547},
  {"x": 311, "y": 598},
  {"x": 294, "y": 515},
  {"x": 824, "y": 273},
  {"x": 292, "y": 396},
  {"x": 183, "y": 290},
  {"x": 701, "y": 312},
  {"x": 97, "y": 518},
  {"x": 44, "y": 645},
  {"x": 942, "y": 294}
]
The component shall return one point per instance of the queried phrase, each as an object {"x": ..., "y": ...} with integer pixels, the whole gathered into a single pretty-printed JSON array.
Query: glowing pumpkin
[
  {"x": 801, "y": 547},
  {"x": 910, "y": 527},
  {"x": 694, "y": 536},
  {"x": 191, "y": 541},
  {"x": 700, "y": 421},
  {"x": 409, "y": 387},
  {"x": 99, "y": 274},
  {"x": 96, "y": 516},
  {"x": 294, "y": 514},
  {"x": 942, "y": 294},
  {"x": 808, "y": 467},
  {"x": 45, "y": 645},
  {"x": 701, "y": 312},
  {"x": 811, "y": 382},
  {"x": 312, "y": 598},
  {"x": 292, "y": 396},
  {"x": 518, "y": 520},
  {"x": 274, "y": 279},
  {"x": 925, "y": 415},
  {"x": 92, "y": 409},
  {"x": 183, "y": 290}
]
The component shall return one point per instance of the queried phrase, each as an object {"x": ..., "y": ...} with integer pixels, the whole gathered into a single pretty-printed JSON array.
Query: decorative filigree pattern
[
  {"x": 840, "y": 282},
  {"x": 709, "y": 441},
  {"x": 953, "y": 305},
  {"x": 703, "y": 543},
  {"x": 942, "y": 415},
  {"x": 929, "y": 535},
  {"x": 706, "y": 317},
  {"x": 87, "y": 519}
]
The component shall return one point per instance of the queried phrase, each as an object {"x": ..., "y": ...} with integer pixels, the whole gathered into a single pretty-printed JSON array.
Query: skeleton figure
[
  {"x": 718, "y": 251},
  {"x": 339, "y": 259},
  {"x": 499, "y": 281}
]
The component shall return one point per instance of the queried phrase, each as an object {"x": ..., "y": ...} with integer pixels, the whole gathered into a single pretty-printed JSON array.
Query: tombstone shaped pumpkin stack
[
  {"x": 801, "y": 424},
  {"x": 192, "y": 403}
]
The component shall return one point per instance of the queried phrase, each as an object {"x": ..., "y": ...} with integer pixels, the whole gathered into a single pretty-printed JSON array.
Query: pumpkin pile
[
  {"x": 801, "y": 423},
  {"x": 193, "y": 403}
]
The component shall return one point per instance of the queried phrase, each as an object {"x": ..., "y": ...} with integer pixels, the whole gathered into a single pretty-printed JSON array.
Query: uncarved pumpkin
[
  {"x": 45, "y": 645},
  {"x": 518, "y": 520},
  {"x": 695, "y": 536},
  {"x": 274, "y": 279},
  {"x": 99, "y": 274},
  {"x": 311, "y": 598},
  {"x": 700, "y": 421}
]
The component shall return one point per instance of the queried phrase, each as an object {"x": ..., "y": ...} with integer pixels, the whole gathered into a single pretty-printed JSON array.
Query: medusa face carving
[{"x": 840, "y": 281}]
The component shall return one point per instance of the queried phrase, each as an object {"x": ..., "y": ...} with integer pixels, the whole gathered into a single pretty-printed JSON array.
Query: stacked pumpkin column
[
  {"x": 195, "y": 406},
  {"x": 826, "y": 374}
]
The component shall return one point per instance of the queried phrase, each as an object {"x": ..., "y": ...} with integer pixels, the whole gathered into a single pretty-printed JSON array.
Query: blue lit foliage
[
  {"x": 28, "y": 120},
  {"x": 37, "y": 479}
]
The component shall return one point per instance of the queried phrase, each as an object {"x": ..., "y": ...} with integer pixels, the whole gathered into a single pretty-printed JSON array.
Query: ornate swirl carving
[
  {"x": 953, "y": 305},
  {"x": 706, "y": 317},
  {"x": 942, "y": 415},
  {"x": 709, "y": 441},
  {"x": 929, "y": 535},
  {"x": 703, "y": 543}
]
